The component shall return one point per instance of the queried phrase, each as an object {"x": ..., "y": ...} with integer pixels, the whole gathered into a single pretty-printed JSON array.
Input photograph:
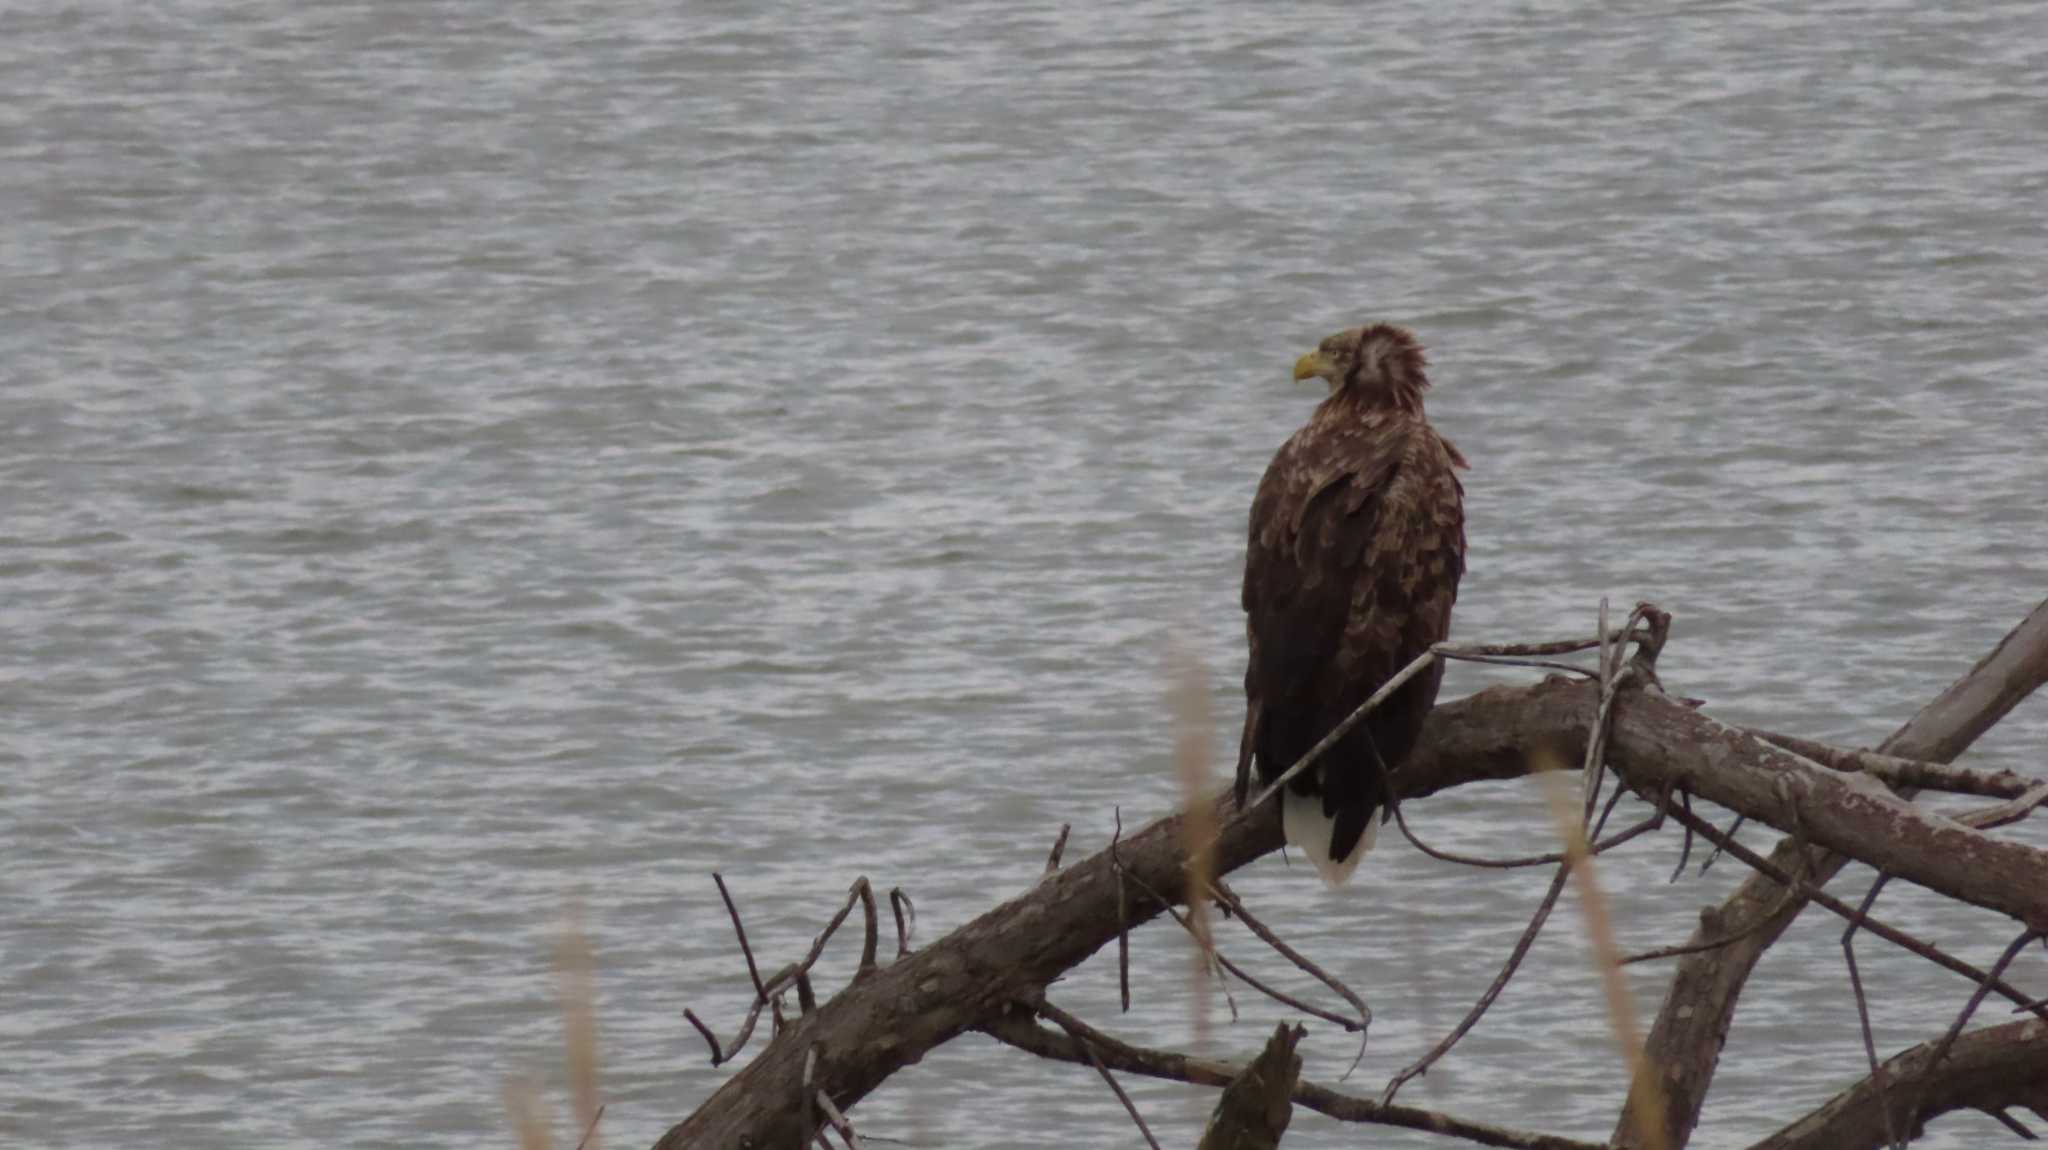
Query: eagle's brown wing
[
  {"x": 1311, "y": 522},
  {"x": 1357, "y": 546}
]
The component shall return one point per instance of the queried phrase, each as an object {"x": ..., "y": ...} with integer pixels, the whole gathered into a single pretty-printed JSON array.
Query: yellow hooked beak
[{"x": 1313, "y": 364}]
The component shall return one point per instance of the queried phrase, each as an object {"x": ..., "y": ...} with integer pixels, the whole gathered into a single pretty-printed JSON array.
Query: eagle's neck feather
[{"x": 1348, "y": 406}]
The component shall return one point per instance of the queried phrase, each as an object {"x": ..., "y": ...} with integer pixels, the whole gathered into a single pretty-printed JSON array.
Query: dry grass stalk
[
  {"x": 1621, "y": 1009},
  {"x": 529, "y": 1113},
  {"x": 1192, "y": 727},
  {"x": 573, "y": 966}
]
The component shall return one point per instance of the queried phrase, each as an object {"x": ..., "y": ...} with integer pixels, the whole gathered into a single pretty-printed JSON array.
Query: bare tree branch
[
  {"x": 1074, "y": 1027},
  {"x": 1059, "y": 847},
  {"x": 892, "y": 1015},
  {"x": 1227, "y": 898},
  {"x": 1685, "y": 1042},
  {"x": 1905, "y": 774},
  {"x": 1500, "y": 981},
  {"x": 890, "y": 1018},
  {"x": 1989, "y": 1070},
  {"x": 1359, "y": 1024},
  {"x": 1018, "y": 1030}
]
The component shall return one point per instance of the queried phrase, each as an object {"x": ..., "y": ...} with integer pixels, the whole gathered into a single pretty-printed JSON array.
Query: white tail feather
[{"x": 1303, "y": 822}]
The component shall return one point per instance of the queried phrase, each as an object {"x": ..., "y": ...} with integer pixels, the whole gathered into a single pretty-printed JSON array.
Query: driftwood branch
[
  {"x": 1020, "y": 1031},
  {"x": 1993, "y": 1069},
  {"x": 1905, "y": 774},
  {"x": 891, "y": 1016},
  {"x": 1685, "y": 1042}
]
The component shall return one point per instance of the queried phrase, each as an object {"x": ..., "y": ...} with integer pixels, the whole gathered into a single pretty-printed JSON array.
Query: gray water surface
[{"x": 461, "y": 461}]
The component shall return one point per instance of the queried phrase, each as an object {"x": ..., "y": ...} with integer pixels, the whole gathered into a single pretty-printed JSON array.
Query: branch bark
[
  {"x": 1258, "y": 1104},
  {"x": 1685, "y": 1042},
  {"x": 1989, "y": 1069},
  {"x": 1658, "y": 744}
]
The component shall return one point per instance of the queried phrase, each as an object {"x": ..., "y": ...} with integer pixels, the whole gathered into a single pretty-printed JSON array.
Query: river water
[{"x": 465, "y": 461}]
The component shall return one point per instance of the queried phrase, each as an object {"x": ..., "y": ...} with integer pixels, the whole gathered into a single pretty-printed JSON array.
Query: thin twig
[
  {"x": 871, "y": 937},
  {"x": 795, "y": 972},
  {"x": 1512, "y": 661},
  {"x": 1507, "y": 971},
  {"x": 725, "y": 1053},
  {"x": 1877, "y": 1074},
  {"x": 1214, "y": 958},
  {"x": 590, "y": 1129},
  {"x": 1682, "y": 949},
  {"x": 1685, "y": 851},
  {"x": 1067, "y": 1022},
  {"x": 859, "y": 892},
  {"x": 1555, "y": 647},
  {"x": 899, "y": 903},
  {"x": 1612, "y": 676},
  {"x": 1059, "y": 845},
  {"x": 1415, "y": 667},
  {"x": 1729, "y": 836},
  {"x": 1594, "y": 770},
  {"x": 1655, "y": 820},
  {"x": 1228, "y": 898},
  {"x": 1977, "y": 998},
  {"x": 1524, "y": 861},
  {"x": 753, "y": 971},
  {"x": 1223, "y": 962},
  {"x": 710, "y": 1039}
]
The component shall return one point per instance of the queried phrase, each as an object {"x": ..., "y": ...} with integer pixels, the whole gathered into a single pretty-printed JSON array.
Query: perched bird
[{"x": 1357, "y": 545}]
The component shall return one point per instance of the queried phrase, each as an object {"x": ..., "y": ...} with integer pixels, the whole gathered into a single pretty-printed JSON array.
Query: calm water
[{"x": 460, "y": 460}]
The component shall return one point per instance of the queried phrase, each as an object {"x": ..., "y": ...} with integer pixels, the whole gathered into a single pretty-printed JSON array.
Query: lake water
[{"x": 465, "y": 460}]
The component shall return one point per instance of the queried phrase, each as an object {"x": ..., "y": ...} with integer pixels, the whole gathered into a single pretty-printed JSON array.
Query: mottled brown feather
[{"x": 1357, "y": 545}]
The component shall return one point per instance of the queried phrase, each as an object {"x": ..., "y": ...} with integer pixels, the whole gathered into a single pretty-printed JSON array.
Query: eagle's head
[{"x": 1377, "y": 365}]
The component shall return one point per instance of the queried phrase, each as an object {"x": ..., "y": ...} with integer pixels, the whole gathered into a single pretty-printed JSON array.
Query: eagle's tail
[{"x": 1303, "y": 822}]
